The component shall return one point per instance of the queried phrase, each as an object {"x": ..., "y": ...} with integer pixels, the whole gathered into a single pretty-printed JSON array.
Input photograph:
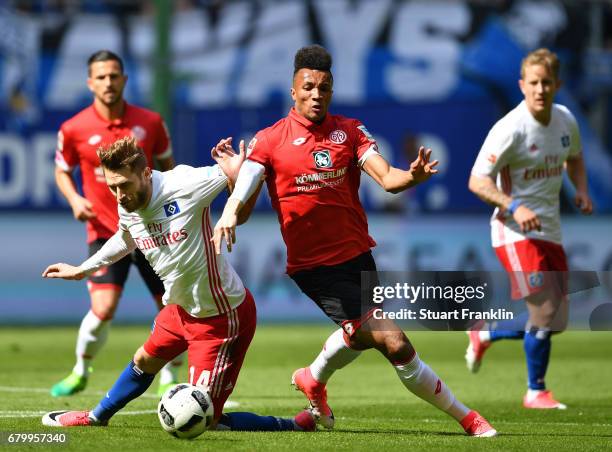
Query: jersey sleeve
[
  {"x": 258, "y": 149},
  {"x": 66, "y": 156},
  {"x": 495, "y": 150},
  {"x": 365, "y": 144},
  {"x": 163, "y": 145},
  {"x": 205, "y": 182}
]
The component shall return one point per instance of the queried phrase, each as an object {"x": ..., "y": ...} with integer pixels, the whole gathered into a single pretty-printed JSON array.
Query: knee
[
  {"x": 396, "y": 347},
  {"x": 104, "y": 309},
  {"x": 104, "y": 313},
  {"x": 396, "y": 343},
  {"x": 140, "y": 358}
]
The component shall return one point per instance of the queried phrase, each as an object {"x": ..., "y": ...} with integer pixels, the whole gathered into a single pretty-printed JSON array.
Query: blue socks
[
  {"x": 537, "y": 346},
  {"x": 131, "y": 383},
  {"x": 254, "y": 423},
  {"x": 506, "y": 334},
  {"x": 509, "y": 329}
]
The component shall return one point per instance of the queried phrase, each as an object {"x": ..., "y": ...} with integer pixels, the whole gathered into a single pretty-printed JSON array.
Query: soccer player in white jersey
[
  {"x": 207, "y": 311},
  {"x": 519, "y": 170}
]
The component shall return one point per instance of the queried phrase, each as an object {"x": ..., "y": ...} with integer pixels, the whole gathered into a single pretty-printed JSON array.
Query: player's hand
[
  {"x": 225, "y": 229},
  {"x": 584, "y": 203},
  {"x": 527, "y": 219},
  {"x": 64, "y": 271},
  {"x": 421, "y": 168},
  {"x": 227, "y": 159},
  {"x": 82, "y": 208}
]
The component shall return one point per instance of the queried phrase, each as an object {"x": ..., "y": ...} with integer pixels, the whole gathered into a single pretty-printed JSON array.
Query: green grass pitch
[{"x": 373, "y": 410}]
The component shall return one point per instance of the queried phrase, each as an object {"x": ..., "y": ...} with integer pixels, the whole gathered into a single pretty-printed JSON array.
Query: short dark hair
[
  {"x": 312, "y": 57},
  {"x": 123, "y": 153},
  {"x": 104, "y": 55}
]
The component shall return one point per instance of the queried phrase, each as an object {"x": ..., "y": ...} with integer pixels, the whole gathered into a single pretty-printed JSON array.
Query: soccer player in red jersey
[
  {"x": 312, "y": 161},
  {"x": 109, "y": 118}
]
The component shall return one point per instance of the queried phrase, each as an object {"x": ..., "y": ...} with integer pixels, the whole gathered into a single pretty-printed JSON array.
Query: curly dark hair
[{"x": 312, "y": 57}]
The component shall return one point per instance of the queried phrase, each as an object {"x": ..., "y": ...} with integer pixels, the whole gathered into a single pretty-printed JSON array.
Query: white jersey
[
  {"x": 527, "y": 159},
  {"x": 174, "y": 233}
]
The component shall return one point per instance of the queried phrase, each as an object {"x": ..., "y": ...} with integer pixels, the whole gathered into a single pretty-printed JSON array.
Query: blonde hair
[
  {"x": 543, "y": 57},
  {"x": 123, "y": 153}
]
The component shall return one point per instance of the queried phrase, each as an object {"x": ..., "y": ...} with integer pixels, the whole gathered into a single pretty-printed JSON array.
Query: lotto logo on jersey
[
  {"x": 171, "y": 208},
  {"x": 322, "y": 159}
]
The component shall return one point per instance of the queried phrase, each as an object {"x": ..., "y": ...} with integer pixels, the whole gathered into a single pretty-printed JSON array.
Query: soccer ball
[{"x": 185, "y": 411}]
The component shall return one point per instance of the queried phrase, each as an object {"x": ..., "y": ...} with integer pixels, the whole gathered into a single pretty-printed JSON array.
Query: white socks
[
  {"x": 169, "y": 373},
  {"x": 92, "y": 337},
  {"x": 415, "y": 375},
  {"x": 335, "y": 355},
  {"x": 424, "y": 383}
]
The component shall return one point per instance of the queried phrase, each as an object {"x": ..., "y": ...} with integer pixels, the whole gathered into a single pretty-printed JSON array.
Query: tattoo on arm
[{"x": 486, "y": 190}]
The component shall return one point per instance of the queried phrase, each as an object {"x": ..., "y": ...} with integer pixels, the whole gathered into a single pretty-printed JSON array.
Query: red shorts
[
  {"x": 216, "y": 346},
  {"x": 533, "y": 265}
]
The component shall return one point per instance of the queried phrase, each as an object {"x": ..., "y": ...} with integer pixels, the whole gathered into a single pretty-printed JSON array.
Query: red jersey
[
  {"x": 80, "y": 137},
  {"x": 313, "y": 175}
]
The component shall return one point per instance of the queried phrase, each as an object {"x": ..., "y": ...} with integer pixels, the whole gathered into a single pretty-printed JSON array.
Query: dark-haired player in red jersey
[
  {"x": 312, "y": 163},
  {"x": 109, "y": 118}
]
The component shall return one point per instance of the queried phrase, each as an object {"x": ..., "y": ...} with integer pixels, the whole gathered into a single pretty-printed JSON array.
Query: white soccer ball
[{"x": 185, "y": 411}]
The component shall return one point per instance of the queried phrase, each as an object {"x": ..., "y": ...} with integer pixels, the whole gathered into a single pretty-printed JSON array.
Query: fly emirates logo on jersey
[
  {"x": 158, "y": 238},
  {"x": 553, "y": 167}
]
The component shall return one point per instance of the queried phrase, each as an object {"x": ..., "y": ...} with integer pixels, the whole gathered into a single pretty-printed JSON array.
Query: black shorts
[
  {"x": 337, "y": 289},
  {"x": 117, "y": 273}
]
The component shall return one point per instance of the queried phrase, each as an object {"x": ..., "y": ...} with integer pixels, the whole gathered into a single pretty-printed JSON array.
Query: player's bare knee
[
  {"x": 104, "y": 312},
  {"x": 396, "y": 346},
  {"x": 357, "y": 342},
  {"x": 147, "y": 363},
  {"x": 140, "y": 357},
  {"x": 104, "y": 303}
]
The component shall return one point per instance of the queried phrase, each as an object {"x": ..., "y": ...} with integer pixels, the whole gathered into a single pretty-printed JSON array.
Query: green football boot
[{"x": 70, "y": 385}]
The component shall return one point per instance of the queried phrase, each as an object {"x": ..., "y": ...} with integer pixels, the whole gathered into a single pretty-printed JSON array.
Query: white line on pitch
[{"x": 228, "y": 404}]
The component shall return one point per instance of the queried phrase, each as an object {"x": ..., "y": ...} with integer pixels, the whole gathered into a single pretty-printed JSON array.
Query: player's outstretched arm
[
  {"x": 395, "y": 180},
  {"x": 115, "y": 248},
  {"x": 577, "y": 174},
  {"x": 484, "y": 187},
  {"x": 64, "y": 271}
]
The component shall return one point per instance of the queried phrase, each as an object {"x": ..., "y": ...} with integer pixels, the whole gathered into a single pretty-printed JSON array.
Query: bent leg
[
  {"x": 386, "y": 336},
  {"x": 133, "y": 382},
  {"x": 165, "y": 342}
]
